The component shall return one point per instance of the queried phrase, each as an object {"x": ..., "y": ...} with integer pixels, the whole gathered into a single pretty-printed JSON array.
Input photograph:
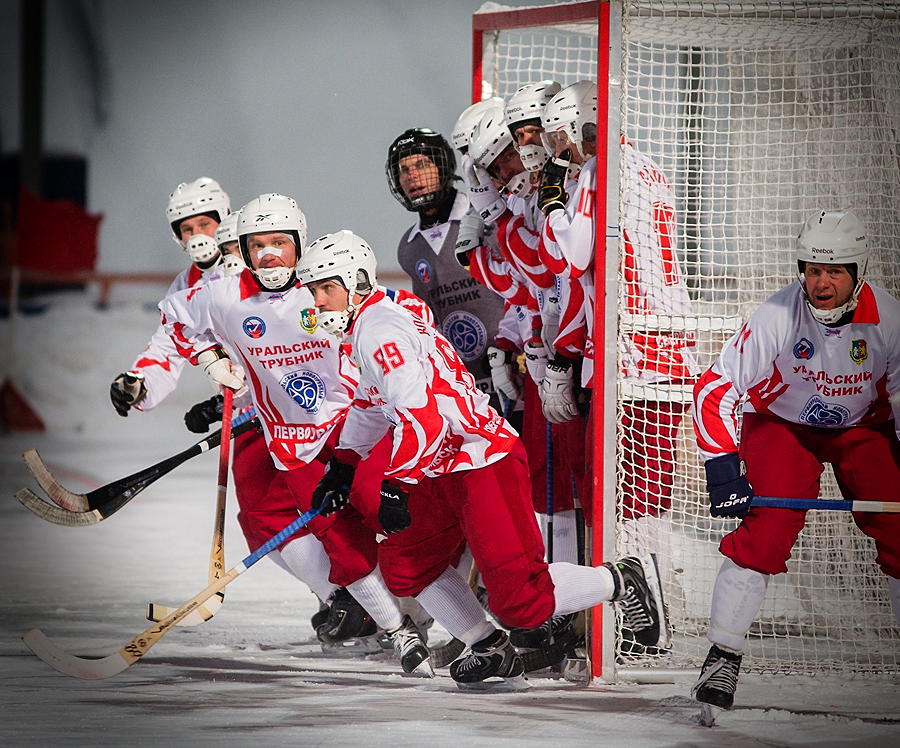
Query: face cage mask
[
  {"x": 274, "y": 279},
  {"x": 202, "y": 249},
  {"x": 520, "y": 185},
  {"x": 232, "y": 265},
  {"x": 533, "y": 156}
]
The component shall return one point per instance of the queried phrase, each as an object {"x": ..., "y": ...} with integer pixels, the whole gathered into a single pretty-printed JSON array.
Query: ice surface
[{"x": 253, "y": 675}]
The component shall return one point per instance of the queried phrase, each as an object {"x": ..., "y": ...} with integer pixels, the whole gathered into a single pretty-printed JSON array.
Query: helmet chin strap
[{"x": 830, "y": 316}]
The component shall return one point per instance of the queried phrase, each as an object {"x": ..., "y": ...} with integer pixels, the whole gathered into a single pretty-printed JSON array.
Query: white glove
[
  {"x": 483, "y": 194},
  {"x": 221, "y": 372},
  {"x": 502, "y": 373},
  {"x": 536, "y": 362},
  {"x": 469, "y": 236},
  {"x": 557, "y": 399}
]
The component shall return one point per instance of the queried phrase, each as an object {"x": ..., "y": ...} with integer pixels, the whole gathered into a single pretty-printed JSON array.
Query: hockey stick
[
  {"x": 106, "y": 667},
  {"x": 217, "y": 553},
  {"x": 126, "y": 488},
  {"x": 549, "y": 493},
  {"x": 839, "y": 505}
]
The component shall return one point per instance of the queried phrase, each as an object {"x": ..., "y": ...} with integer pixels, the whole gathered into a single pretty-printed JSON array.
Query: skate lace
[
  {"x": 722, "y": 675},
  {"x": 635, "y": 615},
  {"x": 405, "y": 639},
  {"x": 472, "y": 661}
]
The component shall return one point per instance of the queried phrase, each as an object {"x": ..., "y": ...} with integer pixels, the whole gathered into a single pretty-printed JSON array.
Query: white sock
[
  {"x": 565, "y": 535},
  {"x": 374, "y": 596},
  {"x": 307, "y": 560},
  {"x": 737, "y": 597},
  {"x": 894, "y": 592},
  {"x": 579, "y": 587},
  {"x": 648, "y": 534},
  {"x": 452, "y": 603}
]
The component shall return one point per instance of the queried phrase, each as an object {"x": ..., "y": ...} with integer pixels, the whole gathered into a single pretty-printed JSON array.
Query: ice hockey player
[
  {"x": 301, "y": 386},
  {"x": 421, "y": 171},
  {"x": 816, "y": 362},
  {"x": 457, "y": 474}
]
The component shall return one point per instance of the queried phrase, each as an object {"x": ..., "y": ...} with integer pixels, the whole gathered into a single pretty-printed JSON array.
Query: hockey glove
[
  {"x": 730, "y": 494},
  {"x": 552, "y": 193},
  {"x": 536, "y": 362},
  {"x": 393, "y": 514},
  {"x": 199, "y": 418},
  {"x": 503, "y": 373},
  {"x": 470, "y": 235},
  {"x": 126, "y": 391},
  {"x": 221, "y": 372},
  {"x": 483, "y": 194},
  {"x": 557, "y": 396},
  {"x": 333, "y": 491}
]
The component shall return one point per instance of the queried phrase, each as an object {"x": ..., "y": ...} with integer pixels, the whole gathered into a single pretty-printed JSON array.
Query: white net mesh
[{"x": 759, "y": 114}]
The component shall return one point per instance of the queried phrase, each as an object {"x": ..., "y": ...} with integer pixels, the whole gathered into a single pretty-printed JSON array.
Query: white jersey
[
  {"x": 413, "y": 380},
  {"x": 300, "y": 382},
  {"x": 160, "y": 363},
  {"x": 792, "y": 366}
]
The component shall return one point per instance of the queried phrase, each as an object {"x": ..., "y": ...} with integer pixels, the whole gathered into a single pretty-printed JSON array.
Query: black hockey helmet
[{"x": 433, "y": 145}]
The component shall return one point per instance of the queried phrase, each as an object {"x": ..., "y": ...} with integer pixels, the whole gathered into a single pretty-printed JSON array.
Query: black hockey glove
[
  {"x": 393, "y": 514},
  {"x": 126, "y": 391},
  {"x": 552, "y": 193},
  {"x": 730, "y": 494},
  {"x": 199, "y": 418},
  {"x": 333, "y": 491}
]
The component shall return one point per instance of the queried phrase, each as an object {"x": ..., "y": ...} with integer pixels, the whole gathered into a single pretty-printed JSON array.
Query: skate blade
[
  {"x": 651, "y": 573},
  {"x": 505, "y": 685},
  {"x": 707, "y": 716},
  {"x": 352, "y": 647},
  {"x": 423, "y": 670},
  {"x": 575, "y": 670}
]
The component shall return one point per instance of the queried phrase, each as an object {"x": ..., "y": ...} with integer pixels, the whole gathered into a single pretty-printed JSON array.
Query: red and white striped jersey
[
  {"x": 653, "y": 283},
  {"x": 412, "y": 377},
  {"x": 792, "y": 366},
  {"x": 160, "y": 363},
  {"x": 300, "y": 382}
]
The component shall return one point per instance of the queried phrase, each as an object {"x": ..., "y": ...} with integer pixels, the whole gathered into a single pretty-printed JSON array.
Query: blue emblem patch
[
  {"x": 423, "y": 270},
  {"x": 817, "y": 412},
  {"x": 307, "y": 389},
  {"x": 254, "y": 327},
  {"x": 804, "y": 349},
  {"x": 467, "y": 334}
]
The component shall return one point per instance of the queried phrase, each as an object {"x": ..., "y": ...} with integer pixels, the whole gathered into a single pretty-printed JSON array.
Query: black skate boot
[
  {"x": 348, "y": 629},
  {"x": 492, "y": 657},
  {"x": 320, "y": 616},
  {"x": 718, "y": 678},
  {"x": 638, "y": 595},
  {"x": 411, "y": 649},
  {"x": 544, "y": 647}
]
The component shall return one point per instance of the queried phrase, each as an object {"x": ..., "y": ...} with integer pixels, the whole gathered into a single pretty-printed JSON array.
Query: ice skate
[
  {"x": 638, "y": 596},
  {"x": 717, "y": 683},
  {"x": 411, "y": 650},
  {"x": 348, "y": 628},
  {"x": 490, "y": 665},
  {"x": 546, "y": 646}
]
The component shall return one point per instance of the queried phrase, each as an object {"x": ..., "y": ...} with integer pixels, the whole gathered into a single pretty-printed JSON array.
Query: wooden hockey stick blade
[
  {"x": 446, "y": 653},
  {"x": 59, "y": 516},
  {"x": 132, "y": 485},
  {"x": 206, "y": 611},
  {"x": 839, "y": 505},
  {"x": 106, "y": 667}
]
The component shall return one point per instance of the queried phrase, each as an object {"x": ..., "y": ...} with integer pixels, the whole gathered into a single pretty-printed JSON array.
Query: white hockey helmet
[
  {"x": 835, "y": 238},
  {"x": 524, "y": 108},
  {"x": 461, "y": 134},
  {"x": 227, "y": 230},
  {"x": 572, "y": 112},
  {"x": 345, "y": 257},
  {"x": 490, "y": 138},
  {"x": 203, "y": 251},
  {"x": 272, "y": 213},
  {"x": 189, "y": 199}
]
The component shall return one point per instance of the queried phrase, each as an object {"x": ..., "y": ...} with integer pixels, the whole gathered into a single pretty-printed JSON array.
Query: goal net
[{"x": 759, "y": 114}]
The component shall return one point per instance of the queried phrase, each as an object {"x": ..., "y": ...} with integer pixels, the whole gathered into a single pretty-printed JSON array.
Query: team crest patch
[
  {"x": 858, "y": 351},
  {"x": 308, "y": 320},
  {"x": 254, "y": 327},
  {"x": 423, "y": 270},
  {"x": 467, "y": 334},
  {"x": 817, "y": 412},
  {"x": 307, "y": 389},
  {"x": 804, "y": 349}
]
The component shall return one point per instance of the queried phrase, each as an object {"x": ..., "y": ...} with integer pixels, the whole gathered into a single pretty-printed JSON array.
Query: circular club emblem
[
  {"x": 467, "y": 334},
  {"x": 423, "y": 270},
  {"x": 254, "y": 327},
  {"x": 804, "y": 349},
  {"x": 307, "y": 389}
]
